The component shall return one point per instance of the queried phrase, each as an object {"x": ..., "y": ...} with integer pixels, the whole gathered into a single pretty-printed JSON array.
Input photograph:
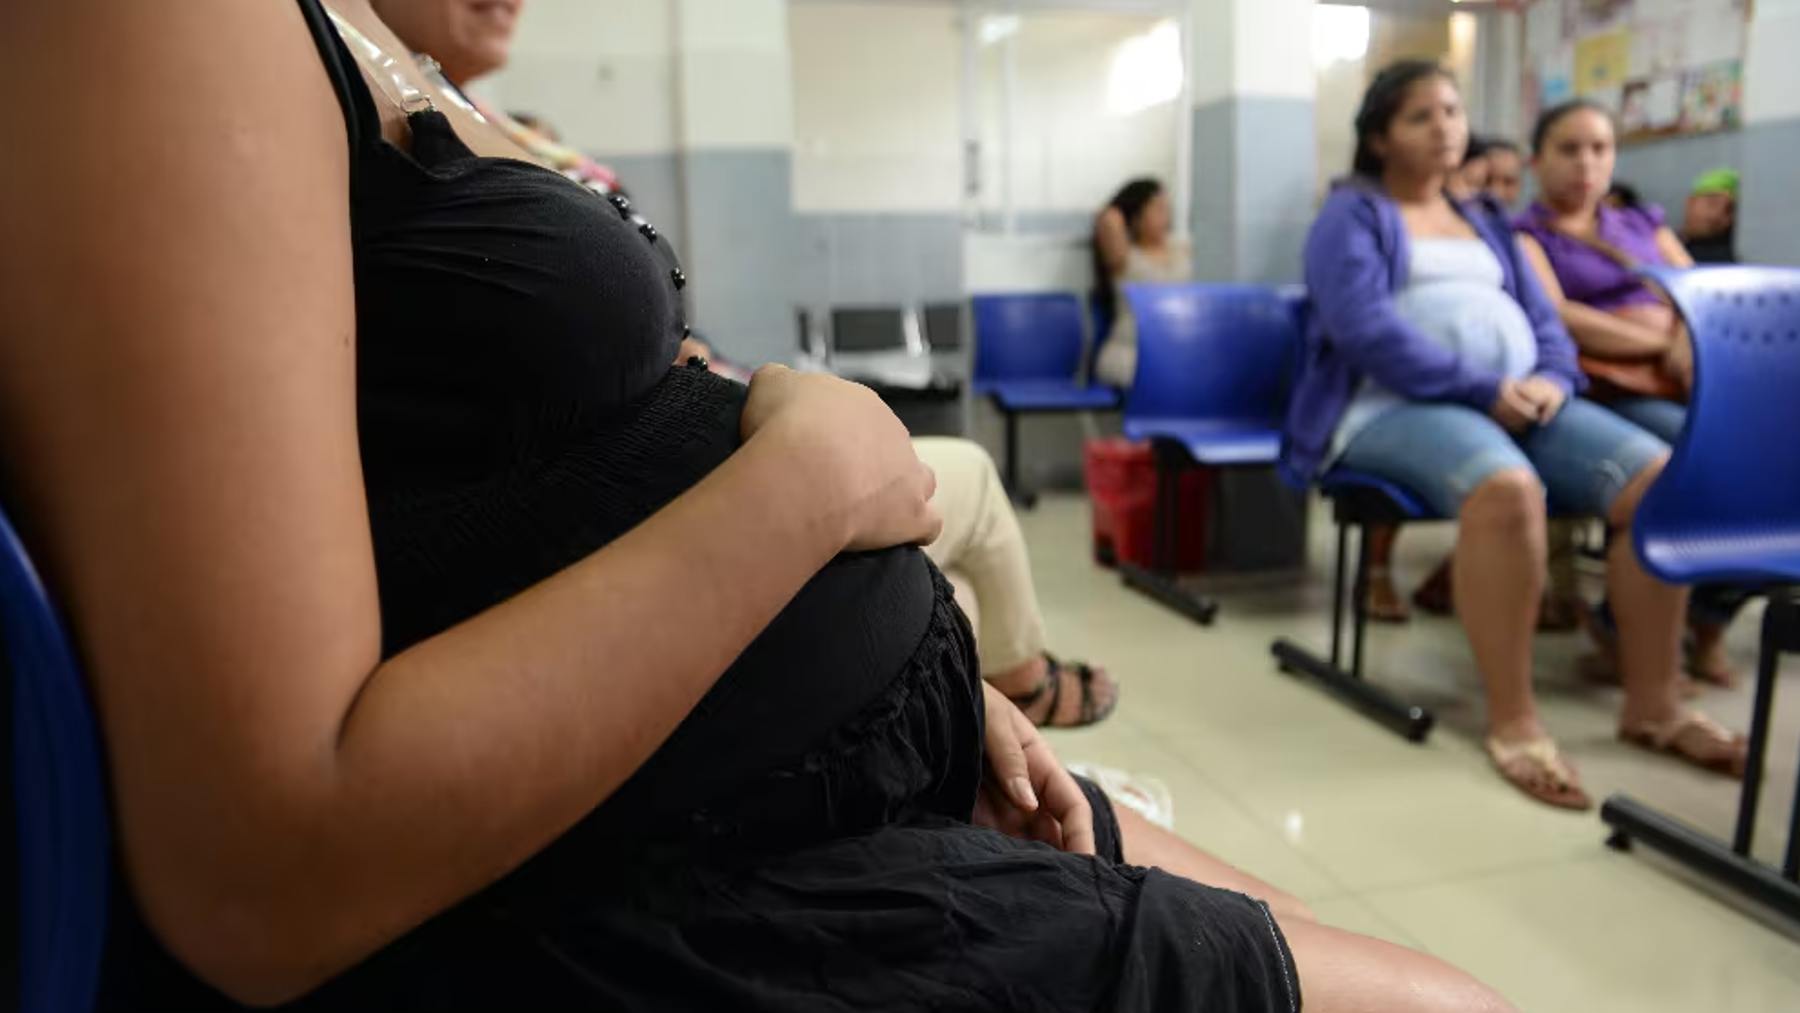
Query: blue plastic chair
[
  {"x": 59, "y": 797},
  {"x": 1726, "y": 510},
  {"x": 1358, "y": 501},
  {"x": 1215, "y": 366},
  {"x": 1028, "y": 360}
]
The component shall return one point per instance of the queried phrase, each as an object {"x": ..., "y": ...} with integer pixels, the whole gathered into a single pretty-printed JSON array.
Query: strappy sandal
[
  {"x": 1537, "y": 768},
  {"x": 1381, "y": 600},
  {"x": 1725, "y": 752},
  {"x": 1091, "y": 710}
]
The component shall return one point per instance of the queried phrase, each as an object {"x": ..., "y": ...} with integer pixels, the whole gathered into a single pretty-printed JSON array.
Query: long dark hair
[
  {"x": 1381, "y": 103},
  {"x": 1557, "y": 113},
  {"x": 1130, "y": 201}
]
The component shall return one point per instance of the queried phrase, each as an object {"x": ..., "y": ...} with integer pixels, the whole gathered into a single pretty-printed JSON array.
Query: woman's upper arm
[
  {"x": 177, "y": 402},
  {"x": 1113, "y": 239},
  {"x": 1540, "y": 266},
  {"x": 1673, "y": 251}
]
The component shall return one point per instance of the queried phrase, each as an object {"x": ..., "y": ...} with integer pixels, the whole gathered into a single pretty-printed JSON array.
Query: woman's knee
[
  {"x": 1625, "y": 505},
  {"x": 1510, "y": 501},
  {"x": 963, "y": 467}
]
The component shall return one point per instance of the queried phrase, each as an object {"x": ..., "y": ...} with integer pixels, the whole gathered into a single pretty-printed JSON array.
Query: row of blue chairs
[{"x": 1215, "y": 366}]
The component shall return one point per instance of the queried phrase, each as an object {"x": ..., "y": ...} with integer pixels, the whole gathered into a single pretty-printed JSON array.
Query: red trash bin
[{"x": 1121, "y": 481}]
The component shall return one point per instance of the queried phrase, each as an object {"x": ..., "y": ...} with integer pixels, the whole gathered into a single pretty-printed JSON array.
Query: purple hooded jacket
[{"x": 1357, "y": 257}]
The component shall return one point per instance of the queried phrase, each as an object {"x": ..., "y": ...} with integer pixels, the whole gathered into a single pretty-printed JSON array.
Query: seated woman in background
[
  {"x": 386, "y": 612},
  {"x": 1434, "y": 360},
  {"x": 981, "y": 550},
  {"x": 1709, "y": 222},
  {"x": 1132, "y": 243},
  {"x": 1492, "y": 166},
  {"x": 1471, "y": 177},
  {"x": 1586, "y": 253},
  {"x": 1505, "y": 171}
]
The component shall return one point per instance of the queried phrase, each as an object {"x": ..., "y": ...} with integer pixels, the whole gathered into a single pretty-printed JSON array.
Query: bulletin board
[{"x": 1667, "y": 67}]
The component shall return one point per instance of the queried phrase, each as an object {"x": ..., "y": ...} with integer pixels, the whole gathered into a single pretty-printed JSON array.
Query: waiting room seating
[
  {"x": 58, "y": 797},
  {"x": 1359, "y": 502},
  {"x": 1727, "y": 510},
  {"x": 1215, "y": 368},
  {"x": 1028, "y": 361}
]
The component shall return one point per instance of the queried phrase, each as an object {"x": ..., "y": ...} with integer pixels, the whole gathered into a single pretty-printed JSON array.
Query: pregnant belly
[{"x": 844, "y": 636}]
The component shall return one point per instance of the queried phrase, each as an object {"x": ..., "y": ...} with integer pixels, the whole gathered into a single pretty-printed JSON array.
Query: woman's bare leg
[
  {"x": 1149, "y": 845},
  {"x": 1384, "y": 602},
  {"x": 1649, "y": 614},
  {"x": 1340, "y": 971},
  {"x": 1499, "y": 579}
]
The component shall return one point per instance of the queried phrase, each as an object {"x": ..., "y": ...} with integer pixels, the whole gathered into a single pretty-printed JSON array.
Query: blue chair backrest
[
  {"x": 58, "y": 795},
  {"x": 1028, "y": 336},
  {"x": 1732, "y": 488},
  {"x": 1214, "y": 351}
]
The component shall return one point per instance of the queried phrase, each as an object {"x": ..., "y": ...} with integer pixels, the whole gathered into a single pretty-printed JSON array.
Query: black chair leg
[
  {"x": 1337, "y": 596},
  {"x": 1408, "y": 720},
  {"x": 1161, "y": 580},
  {"x": 1750, "y": 795},
  {"x": 1359, "y": 601},
  {"x": 1021, "y": 497},
  {"x": 1733, "y": 866}
]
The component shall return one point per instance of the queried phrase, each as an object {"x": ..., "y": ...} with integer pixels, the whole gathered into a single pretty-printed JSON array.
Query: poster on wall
[{"x": 1665, "y": 66}]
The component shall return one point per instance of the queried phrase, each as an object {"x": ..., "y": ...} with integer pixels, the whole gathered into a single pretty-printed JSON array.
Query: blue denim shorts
[
  {"x": 1585, "y": 456},
  {"x": 1663, "y": 418}
]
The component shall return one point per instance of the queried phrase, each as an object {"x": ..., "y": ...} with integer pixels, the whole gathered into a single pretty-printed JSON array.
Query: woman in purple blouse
[{"x": 1584, "y": 252}]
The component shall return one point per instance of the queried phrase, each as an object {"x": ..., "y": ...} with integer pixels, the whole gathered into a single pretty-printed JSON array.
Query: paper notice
[{"x": 1602, "y": 62}]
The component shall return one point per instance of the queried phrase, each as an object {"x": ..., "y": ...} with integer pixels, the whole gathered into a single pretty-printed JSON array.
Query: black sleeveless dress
[{"x": 802, "y": 841}]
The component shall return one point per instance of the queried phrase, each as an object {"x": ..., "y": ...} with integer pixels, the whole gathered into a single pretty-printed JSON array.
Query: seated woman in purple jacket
[
  {"x": 1434, "y": 360},
  {"x": 1586, "y": 253}
]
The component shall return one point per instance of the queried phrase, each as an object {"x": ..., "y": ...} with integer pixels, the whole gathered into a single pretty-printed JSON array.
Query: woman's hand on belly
[
  {"x": 1027, "y": 792},
  {"x": 852, "y": 451}
]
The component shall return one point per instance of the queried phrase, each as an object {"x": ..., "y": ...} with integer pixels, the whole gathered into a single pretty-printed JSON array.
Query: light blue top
[{"x": 1454, "y": 294}]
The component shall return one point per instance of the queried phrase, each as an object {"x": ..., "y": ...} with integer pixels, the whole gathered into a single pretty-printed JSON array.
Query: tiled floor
[{"x": 1422, "y": 844}]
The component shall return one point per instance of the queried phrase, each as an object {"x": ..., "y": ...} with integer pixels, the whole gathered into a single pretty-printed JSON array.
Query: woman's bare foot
[
  {"x": 1057, "y": 694},
  {"x": 1526, "y": 756},
  {"x": 1694, "y": 737}
]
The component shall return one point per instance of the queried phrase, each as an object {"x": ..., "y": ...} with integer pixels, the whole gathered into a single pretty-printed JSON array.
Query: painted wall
[{"x": 1255, "y": 169}]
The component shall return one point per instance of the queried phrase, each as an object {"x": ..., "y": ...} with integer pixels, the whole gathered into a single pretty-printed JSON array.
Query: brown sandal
[
  {"x": 1091, "y": 713},
  {"x": 1537, "y": 768},
  {"x": 1717, "y": 749}
]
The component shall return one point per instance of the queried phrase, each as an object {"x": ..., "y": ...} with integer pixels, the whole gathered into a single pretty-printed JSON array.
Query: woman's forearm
[
  {"x": 471, "y": 751},
  {"x": 1609, "y": 336}
]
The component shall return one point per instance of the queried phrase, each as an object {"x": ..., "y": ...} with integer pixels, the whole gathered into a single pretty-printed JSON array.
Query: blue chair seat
[
  {"x": 1212, "y": 442},
  {"x": 1048, "y": 395},
  {"x": 1718, "y": 557},
  {"x": 1339, "y": 482}
]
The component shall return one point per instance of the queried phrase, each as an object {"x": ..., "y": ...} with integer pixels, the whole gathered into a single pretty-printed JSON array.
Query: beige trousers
[{"x": 983, "y": 553}]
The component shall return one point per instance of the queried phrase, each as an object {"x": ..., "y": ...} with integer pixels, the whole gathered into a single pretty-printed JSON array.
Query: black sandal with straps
[{"x": 1091, "y": 711}]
